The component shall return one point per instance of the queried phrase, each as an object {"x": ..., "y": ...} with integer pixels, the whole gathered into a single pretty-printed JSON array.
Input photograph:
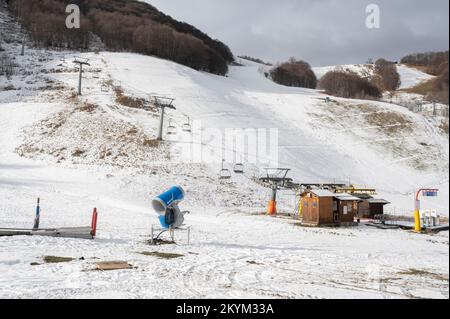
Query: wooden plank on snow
[{"x": 113, "y": 265}]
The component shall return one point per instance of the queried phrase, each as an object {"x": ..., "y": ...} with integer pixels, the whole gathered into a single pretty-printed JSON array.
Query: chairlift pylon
[{"x": 224, "y": 172}]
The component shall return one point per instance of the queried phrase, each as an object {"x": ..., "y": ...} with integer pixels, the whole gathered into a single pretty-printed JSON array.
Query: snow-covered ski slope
[
  {"x": 69, "y": 148},
  {"x": 409, "y": 76},
  {"x": 364, "y": 70},
  {"x": 233, "y": 254},
  {"x": 371, "y": 144}
]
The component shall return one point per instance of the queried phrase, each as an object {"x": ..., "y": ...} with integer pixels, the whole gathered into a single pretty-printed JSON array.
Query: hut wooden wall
[
  {"x": 364, "y": 209},
  {"x": 326, "y": 211},
  {"x": 350, "y": 216},
  {"x": 310, "y": 211}
]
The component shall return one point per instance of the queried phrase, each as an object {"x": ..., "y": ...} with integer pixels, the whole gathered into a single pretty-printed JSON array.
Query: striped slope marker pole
[{"x": 38, "y": 214}]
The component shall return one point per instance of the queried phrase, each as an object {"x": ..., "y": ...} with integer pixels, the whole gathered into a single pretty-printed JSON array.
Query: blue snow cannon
[{"x": 169, "y": 198}]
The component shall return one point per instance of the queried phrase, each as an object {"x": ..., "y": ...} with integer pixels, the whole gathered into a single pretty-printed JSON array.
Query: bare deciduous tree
[
  {"x": 294, "y": 73},
  {"x": 389, "y": 78},
  {"x": 348, "y": 85}
]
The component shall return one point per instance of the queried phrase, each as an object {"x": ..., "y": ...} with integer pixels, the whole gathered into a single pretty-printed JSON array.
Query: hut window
[
  {"x": 315, "y": 204},
  {"x": 350, "y": 208}
]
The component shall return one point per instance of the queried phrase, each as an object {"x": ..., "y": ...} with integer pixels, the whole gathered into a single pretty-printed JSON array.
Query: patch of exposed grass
[
  {"x": 87, "y": 107},
  {"x": 444, "y": 127},
  {"x": 151, "y": 143},
  {"x": 434, "y": 89},
  {"x": 129, "y": 101},
  {"x": 132, "y": 102},
  {"x": 252, "y": 262},
  {"x": 56, "y": 260},
  {"x": 423, "y": 273},
  {"x": 389, "y": 122},
  {"x": 423, "y": 88},
  {"x": 161, "y": 255},
  {"x": 78, "y": 153}
]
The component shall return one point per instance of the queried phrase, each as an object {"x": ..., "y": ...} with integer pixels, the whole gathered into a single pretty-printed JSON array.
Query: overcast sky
[{"x": 321, "y": 32}]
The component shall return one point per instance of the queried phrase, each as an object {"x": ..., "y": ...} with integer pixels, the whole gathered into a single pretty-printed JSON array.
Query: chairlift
[
  {"x": 171, "y": 129},
  {"x": 224, "y": 172},
  {"x": 239, "y": 168},
  {"x": 187, "y": 126}
]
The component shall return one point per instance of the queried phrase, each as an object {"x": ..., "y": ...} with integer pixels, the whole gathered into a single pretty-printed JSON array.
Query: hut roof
[
  {"x": 322, "y": 193},
  {"x": 346, "y": 197},
  {"x": 363, "y": 196},
  {"x": 378, "y": 201}
]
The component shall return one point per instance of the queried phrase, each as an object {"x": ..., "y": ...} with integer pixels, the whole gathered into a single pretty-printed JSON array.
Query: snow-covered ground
[
  {"x": 80, "y": 153},
  {"x": 409, "y": 76},
  {"x": 364, "y": 70}
]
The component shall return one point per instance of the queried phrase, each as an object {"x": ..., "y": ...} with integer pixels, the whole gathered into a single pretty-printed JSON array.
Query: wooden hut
[
  {"x": 324, "y": 208},
  {"x": 368, "y": 206}
]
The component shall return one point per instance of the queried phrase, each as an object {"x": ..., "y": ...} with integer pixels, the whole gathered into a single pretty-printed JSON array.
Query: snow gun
[{"x": 166, "y": 206}]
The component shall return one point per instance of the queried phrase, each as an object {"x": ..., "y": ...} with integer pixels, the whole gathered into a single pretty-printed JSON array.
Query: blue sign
[{"x": 430, "y": 194}]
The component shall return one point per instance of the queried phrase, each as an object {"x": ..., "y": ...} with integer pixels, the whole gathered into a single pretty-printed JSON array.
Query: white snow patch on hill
[
  {"x": 411, "y": 77},
  {"x": 364, "y": 70}
]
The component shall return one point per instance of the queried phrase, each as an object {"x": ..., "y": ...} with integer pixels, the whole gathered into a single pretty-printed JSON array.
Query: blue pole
[{"x": 38, "y": 214}]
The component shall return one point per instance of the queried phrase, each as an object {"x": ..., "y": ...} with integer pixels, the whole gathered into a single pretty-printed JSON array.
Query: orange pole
[{"x": 272, "y": 208}]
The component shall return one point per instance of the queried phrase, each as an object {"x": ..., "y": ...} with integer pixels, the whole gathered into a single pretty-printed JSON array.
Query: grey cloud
[{"x": 322, "y": 32}]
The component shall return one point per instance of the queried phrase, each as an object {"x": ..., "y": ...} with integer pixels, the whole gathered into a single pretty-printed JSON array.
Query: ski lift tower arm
[
  {"x": 164, "y": 102},
  {"x": 80, "y": 62},
  {"x": 275, "y": 181}
]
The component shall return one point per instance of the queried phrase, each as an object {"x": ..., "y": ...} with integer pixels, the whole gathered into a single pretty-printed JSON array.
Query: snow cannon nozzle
[
  {"x": 166, "y": 205},
  {"x": 169, "y": 198}
]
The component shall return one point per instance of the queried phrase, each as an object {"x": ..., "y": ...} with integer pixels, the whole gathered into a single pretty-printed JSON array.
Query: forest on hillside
[
  {"x": 434, "y": 63},
  {"x": 122, "y": 25}
]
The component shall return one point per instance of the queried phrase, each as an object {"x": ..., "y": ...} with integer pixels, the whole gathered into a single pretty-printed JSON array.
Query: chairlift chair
[
  {"x": 187, "y": 126},
  {"x": 239, "y": 167},
  {"x": 171, "y": 129},
  {"x": 224, "y": 172}
]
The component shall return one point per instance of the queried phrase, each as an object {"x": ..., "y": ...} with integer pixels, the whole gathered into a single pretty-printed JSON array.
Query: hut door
[{"x": 336, "y": 215}]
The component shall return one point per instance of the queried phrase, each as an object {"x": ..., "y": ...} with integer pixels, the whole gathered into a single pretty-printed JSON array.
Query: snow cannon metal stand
[
  {"x": 88, "y": 232},
  {"x": 170, "y": 217}
]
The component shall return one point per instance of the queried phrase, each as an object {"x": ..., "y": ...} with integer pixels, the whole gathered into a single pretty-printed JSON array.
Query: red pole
[{"x": 94, "y": 222}]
